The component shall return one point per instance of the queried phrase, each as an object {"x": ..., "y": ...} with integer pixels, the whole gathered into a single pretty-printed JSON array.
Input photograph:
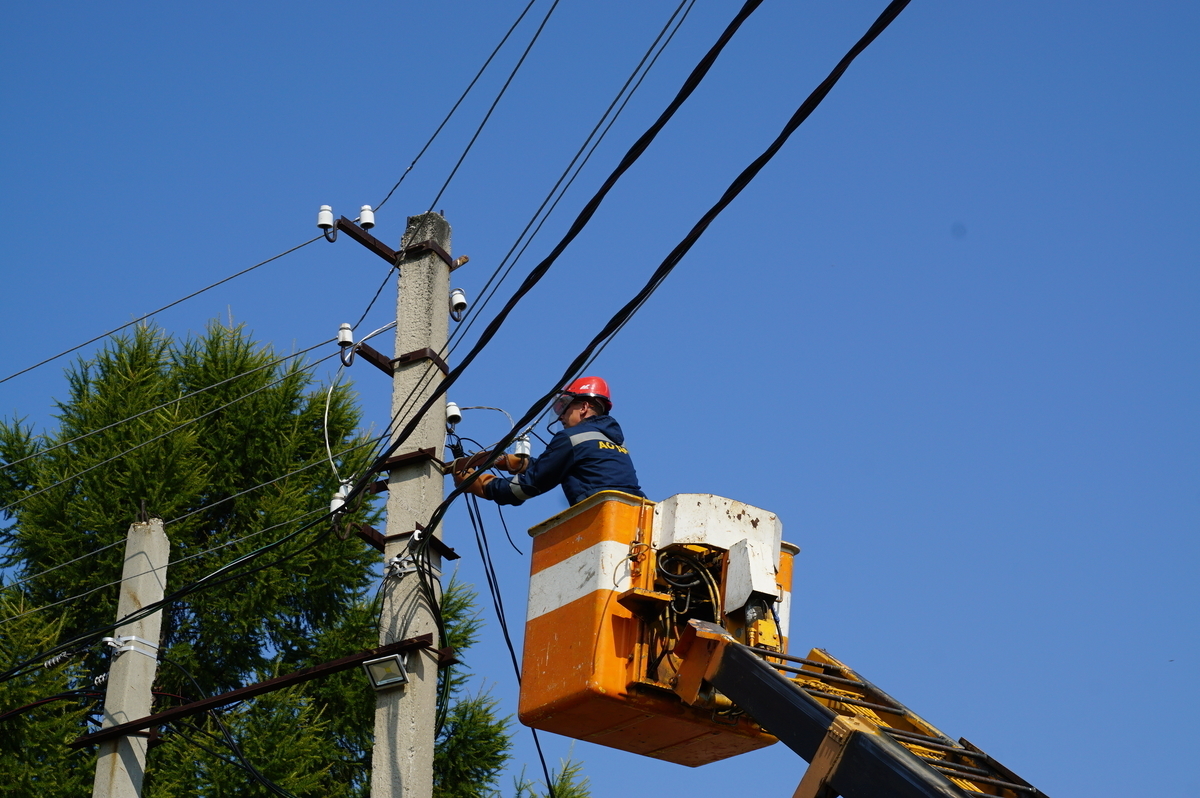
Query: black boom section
[
  {"x": 872, "y": 766},
  {"x": 776, "y": 704}
]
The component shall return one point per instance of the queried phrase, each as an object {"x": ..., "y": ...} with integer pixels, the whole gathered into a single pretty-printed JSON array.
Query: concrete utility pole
[
  {"x": 404, "y": 717},
  {"x": 121, "y": 763}
]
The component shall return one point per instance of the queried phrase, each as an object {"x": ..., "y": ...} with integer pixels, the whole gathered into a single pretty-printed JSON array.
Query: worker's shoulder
[{"x": 606, "y": 425}]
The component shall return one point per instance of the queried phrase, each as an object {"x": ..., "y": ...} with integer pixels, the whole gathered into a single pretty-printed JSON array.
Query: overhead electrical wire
[
  {"x": 311, "y": 240},
  {"x": 171, "y": 431},
  {"x": 618, "y": 321},
  {"x": 217, "y": 577},
  {"x": 242, "y": 764},
  {"x": 635, "y": 151},
  {"x": 272, "y": 481},
  {"x": 333, "y": 384},
  {"x": 365, "y": 312},
  {"x": 210, "y": 580},
  {"x": 589, "y": 210},
  {"x": 166, "y": 404},
  {"x": 457, "y": 103},
  {"x": 60, "y": 565},
  {"x": 254, "y": 772},
  {"x": 160, "y": 310},
  {"x": 495, "y": 102},
  {"x": 477, "y": 311},
  {"x": 64, "y": 696},
  {"x": 298, "y": 246},
  {"x": 493, "y": 582},
  {"x": 456, "y": 338},
  {"x": 622, "y": 316},
  {"x": 86, "y": 593}
]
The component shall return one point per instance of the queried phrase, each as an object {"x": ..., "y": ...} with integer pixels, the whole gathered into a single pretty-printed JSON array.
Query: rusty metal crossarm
[{"x": 252, "y": 690}]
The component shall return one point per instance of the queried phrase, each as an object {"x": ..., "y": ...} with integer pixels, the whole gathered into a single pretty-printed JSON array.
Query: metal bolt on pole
[
  {"x": 121, "y": 763},
  {"x": 402, "y": 764}
]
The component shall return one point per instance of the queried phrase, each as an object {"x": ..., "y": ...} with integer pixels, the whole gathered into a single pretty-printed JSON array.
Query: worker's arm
[{"x": 542, "y": 474}]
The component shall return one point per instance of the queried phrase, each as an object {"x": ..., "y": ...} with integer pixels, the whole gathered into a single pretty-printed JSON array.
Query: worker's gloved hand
[
  {"x": 465, "y": 465},
  {"x": 512, "y": 463},
  {"x": 478, "y": 485}
]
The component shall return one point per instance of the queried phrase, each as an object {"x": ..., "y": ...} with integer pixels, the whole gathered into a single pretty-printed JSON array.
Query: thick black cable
[
  {"x": 462, "y": 97},
  {"x": 622, "y": 316},
  {"x": 493, "y": 582},
  {"x": 254, "y": 772},
  {"x": 631, "y": 156},
  {"x": 477, "y": 311},
  {"x": 192, "y": 741},
  {"x": 495, "y": 102},
  {"x": 503, "y": 523},
  {"x": 160, "y": 310},
  {"x": 64, "y": 696},
  {"x": 489, "y": 571}
]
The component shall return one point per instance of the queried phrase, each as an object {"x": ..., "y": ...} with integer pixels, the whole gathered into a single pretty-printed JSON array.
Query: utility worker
[{"x": 585, "y": 457}]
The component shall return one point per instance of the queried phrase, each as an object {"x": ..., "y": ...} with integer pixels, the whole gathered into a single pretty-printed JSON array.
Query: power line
[
  {"x": 495, "y": 102},
  {"x": 635, "y": 151},
  {"x": 61, "y": 565},
  {"x": 160, "y": 310},
  {"x": 171, "y": 431},
  {"x": 622, "y": 316},
  {"x": 489, "y": 572},
  {"x": 462, "y": 97},
  {"x": 254, "y": 772},
  {"x": 152, "y": 570},
  {"x": 166, "y": 404},
  {"x": 261, "y": 485},
  {"x": 204, "y": 583},
  {"x": 461, "y": 332},
  {"x": 534, "y": 277}
]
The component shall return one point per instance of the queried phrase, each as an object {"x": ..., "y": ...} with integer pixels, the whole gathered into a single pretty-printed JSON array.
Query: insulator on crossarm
[{"x": 325, "y": 217}]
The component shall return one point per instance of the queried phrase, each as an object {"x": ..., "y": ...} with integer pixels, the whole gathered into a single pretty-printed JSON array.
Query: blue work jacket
[{"x": 585, "y": 459}]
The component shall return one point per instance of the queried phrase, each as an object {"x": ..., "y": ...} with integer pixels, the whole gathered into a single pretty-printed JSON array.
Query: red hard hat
[{"x": 590, "y": 388}]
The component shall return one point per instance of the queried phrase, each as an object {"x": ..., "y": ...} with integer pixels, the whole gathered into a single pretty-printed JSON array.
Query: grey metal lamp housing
[{"x": 386, "y": 672}]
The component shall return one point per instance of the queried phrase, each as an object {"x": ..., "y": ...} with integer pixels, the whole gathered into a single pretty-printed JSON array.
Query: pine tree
[{"x": 227, "y": 444}]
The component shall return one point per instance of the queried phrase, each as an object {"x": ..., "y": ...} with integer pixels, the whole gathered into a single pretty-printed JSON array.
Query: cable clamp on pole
[{"x": 122, "y": 644}]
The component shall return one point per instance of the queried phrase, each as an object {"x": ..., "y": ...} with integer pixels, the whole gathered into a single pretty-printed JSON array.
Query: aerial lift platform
[{"x": 661, "y": 629}]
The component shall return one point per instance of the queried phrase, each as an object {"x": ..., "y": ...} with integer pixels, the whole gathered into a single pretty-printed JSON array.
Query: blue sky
[{"x": 949, "y": 334}]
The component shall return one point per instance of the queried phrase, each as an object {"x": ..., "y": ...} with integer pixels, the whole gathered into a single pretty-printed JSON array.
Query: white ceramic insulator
[
  {"x": 366, "y": 217},
  {"x": 345, "y": 335},
  {"x": 522, "y": 447},
  {"x": 339, "y": 498},
  {"x": 458, "y": 304},
  {"x": 325, "y": 217}
]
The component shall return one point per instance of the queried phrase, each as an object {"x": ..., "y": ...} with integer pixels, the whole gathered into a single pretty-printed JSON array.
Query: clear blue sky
[{"x": 949, "y": 335}]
